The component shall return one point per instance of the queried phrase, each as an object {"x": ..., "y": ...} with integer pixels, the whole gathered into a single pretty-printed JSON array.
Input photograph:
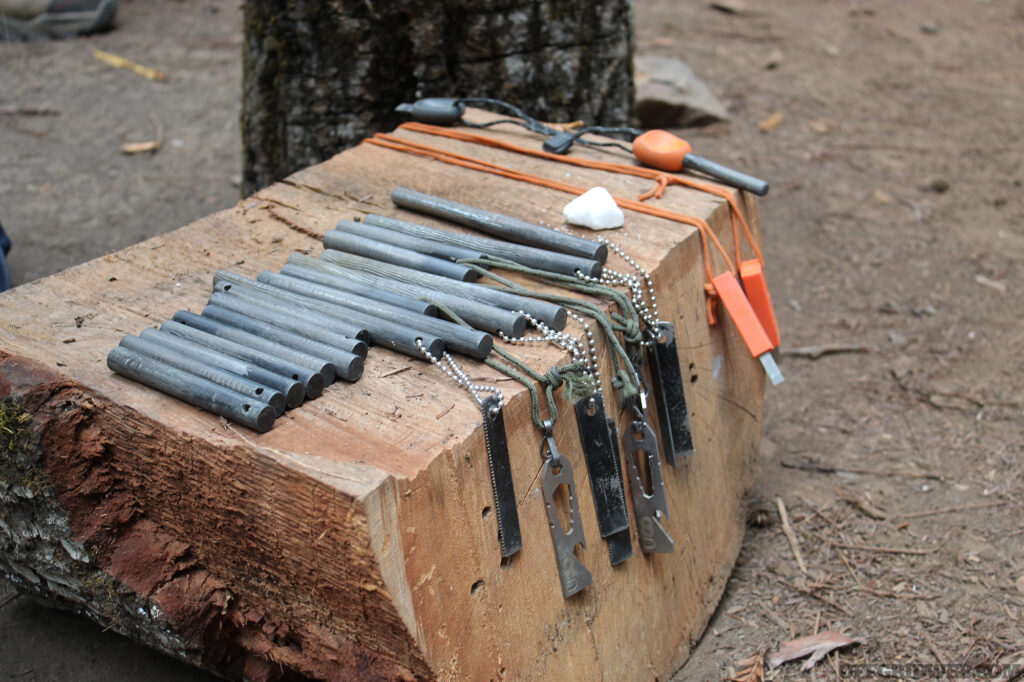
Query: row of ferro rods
[{"x": 262, "y": 346}]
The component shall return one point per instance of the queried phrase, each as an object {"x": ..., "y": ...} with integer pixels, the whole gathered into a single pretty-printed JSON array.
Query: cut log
[
  {"x": 356, "y": 539},
  {"x": 320, "y": 76}
]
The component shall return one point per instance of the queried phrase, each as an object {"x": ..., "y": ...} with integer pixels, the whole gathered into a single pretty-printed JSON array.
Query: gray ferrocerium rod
[
  {"x": 364, "y": 291},
  {"x": 236, "y": 383},
  {"x": 397, "y": 255},
  {"x": 532, "y": 257},
  {"x": 347, "y": 366},
  {"x": 292, "y": 389},
  {"x": 312, "y": 381},
  {"x": 292, "y": 320},
  {"x": 471, "y": 342},
  {"x": 326, "y": 369},
  {"x": 481, "y": 316},
  {"x": 194, "y": 390},
  {"x": 550, "y": 314},
  {"x": 435, "y": 248},
  {"x": 507, "y": 227},
  {"x": 386, "y": 334},
  {"x": 335, "y": 323}
]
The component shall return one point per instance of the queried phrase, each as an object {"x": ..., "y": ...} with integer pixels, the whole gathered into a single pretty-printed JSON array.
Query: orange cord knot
[
  {"x": 711, "y": 302},
  {"x": 657, "y": 190}
]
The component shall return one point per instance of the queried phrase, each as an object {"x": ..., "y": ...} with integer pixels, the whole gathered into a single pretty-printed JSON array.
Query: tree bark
[{"x": 320, "y": 76}]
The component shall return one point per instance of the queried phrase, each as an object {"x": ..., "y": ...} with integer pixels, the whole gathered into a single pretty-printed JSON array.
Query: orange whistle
[
  {"x": 756, "y": 288},
  {"x": 745, "y": 319}
]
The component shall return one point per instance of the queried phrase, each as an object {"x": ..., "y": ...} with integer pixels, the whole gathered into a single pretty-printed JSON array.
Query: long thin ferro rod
[
  {"x": 474, "y": 343},
  {"x": 311, "y": 380},
  {"x": 383, "y": 333},
  {"x": 481, "y": 316},
  {"x": 293, "y": 390},
  {"x": 437, "y": 249},
  {"x": 497, "y": 224},
  {"x": 236, "y": 383},
  {"x": 550, "y": 314},
  {"x": 295, "y": 321},
  {"x": 542, "y": 259},
  {"x": 192, "y": 389},
  {"x": 327, "y": 370},
  {"x": 347, "y": 366},
  {"x": 399, "y": 255},
  {"x": 363, "y": 291}
]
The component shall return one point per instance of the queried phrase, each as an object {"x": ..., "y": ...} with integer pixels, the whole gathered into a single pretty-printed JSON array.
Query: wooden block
[{"x": 356, "y": 539}]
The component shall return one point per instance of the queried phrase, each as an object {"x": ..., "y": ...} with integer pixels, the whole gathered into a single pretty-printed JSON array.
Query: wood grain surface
[{"x": 356, "y": 539}]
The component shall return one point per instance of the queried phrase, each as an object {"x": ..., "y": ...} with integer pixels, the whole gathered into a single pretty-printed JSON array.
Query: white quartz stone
[{"x": 595, "y": 209}]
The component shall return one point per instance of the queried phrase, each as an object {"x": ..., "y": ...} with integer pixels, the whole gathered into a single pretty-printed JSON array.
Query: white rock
[{"x": 595, "y": 209}]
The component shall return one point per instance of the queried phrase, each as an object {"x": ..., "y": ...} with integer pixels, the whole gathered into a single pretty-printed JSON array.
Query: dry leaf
[
  {"x": 1020, "y": 584},
  {"x": 816, "y": 645},
  {"x": 770, "y": 122}
]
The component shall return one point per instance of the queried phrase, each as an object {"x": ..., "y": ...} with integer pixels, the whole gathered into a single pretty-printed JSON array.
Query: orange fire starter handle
[
  {"x": 756, "y": 287},
  {"x": 661, "y": 149},
  {"x": 742, "y": 313}
]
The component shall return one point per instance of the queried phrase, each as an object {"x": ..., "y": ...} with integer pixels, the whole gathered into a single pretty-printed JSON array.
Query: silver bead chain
[
  {"x": 459, "y": 376},
  {"x": 582, "y": 351},
  {"x": 646, "y": 306}
]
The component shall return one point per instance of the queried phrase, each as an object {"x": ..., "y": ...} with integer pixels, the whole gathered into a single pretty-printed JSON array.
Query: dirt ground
[{"x": 895, "y": 236}]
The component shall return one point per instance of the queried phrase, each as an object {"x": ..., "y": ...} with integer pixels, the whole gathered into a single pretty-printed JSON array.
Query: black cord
[{"x": 528, "y": 122}]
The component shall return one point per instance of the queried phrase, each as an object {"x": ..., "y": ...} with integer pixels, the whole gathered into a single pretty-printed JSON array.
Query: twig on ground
[
  {"x": 815, "y": 352},
  {"x": 883, "y": 550},
  {"x": 860, "y": 503},
  {"x": 29, "y": 110},
  {"x": 820, "y": 468},
  {"x": 120, "y": 62},
  {"x": 950, "y": 510},
  {"x": 790, "y": 535},
  {"x": 152, "y": 146},
  {"x": 935, "y": 652},
  {"x": 810, "y": 593}
]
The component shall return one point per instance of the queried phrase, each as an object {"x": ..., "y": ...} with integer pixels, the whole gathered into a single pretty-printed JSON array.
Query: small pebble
[
  {"x": 897, "y": 339},
  {"x": 939, "y": 185},
  {"x": 923, "y": 310},
  {"x": 928, "y": 28}
]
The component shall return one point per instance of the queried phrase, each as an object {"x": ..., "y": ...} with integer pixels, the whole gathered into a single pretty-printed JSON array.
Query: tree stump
[
  {"x": 356, "y": 539},
  {"x": 320, "y": 76}
]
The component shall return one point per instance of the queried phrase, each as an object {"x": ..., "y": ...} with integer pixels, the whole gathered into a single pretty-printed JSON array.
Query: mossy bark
[{"x": 320, "y": 76}]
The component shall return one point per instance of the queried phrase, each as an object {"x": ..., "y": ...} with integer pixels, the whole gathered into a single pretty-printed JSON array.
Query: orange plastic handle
[
  {"x": 742, "y": 313},
  {"x": 756, "y": 288},
  {"x": 661, "y": 149}
]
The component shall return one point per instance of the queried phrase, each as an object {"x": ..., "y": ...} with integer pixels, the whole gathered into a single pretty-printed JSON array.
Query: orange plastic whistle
[
  {"x": 661, "y": 149},
  {"x": 756, "y": 288},
  {"x": 742, "y": 314}
]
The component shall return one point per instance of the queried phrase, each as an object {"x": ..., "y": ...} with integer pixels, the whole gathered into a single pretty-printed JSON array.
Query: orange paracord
[
  {"x": 706, "y": 233},
  {"x": 663, "y": 179}
]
